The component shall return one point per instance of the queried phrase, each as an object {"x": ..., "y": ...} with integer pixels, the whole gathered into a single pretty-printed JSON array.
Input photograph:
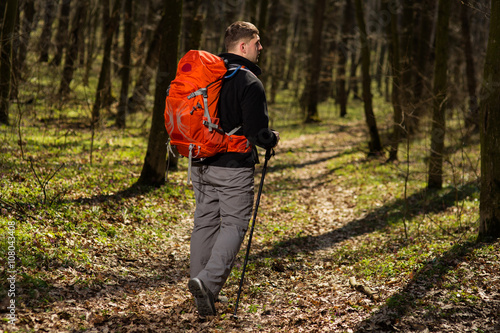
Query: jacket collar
[{"x": 239, "y": 60}]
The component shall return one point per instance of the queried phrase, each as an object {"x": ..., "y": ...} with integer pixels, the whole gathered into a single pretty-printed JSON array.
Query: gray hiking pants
[{"x": 224, "y": 203}]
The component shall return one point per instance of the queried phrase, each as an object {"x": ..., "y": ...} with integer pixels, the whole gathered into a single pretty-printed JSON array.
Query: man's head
[{"x": 242, "y": 38}]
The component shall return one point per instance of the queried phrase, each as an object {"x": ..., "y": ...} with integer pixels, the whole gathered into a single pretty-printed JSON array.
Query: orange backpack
[{"x": 191, "y": 114}]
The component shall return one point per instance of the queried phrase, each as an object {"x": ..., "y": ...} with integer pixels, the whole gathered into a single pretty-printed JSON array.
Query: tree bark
[
  {"x": 375, "y": 144},
  {"x": 141, "y": 88},
  {"x": 72, "y": 51},
  {"x": 343, "y": 50},
  {"x": 26, "y": 28},
  {"x": 423, "y": 74},
  {"x": 193, "y": 25},
  {"x": 153, "y": 170},
  {"x": 407, "y": 60},
  {"x": 311, "y": 90},
  {"x": 48, "y": 18},
  {"x": 439, "y": 103},
  {"x": 104, "y": 77},
  {"x": 125, "y": 71},
  {"x": 92, "y": 27},
  {"x": 394, "y": 60},
  {"x": 8, "y": 25},
  {"x": 61, "y": 38},
  {"x": 489, "y": 210},
  {"x": 472, "y": 118}
]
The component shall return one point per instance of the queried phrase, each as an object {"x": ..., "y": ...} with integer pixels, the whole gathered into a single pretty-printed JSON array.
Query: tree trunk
[
  {"x": 347, "y": 27},
  {"x": 92, "y": 27},
  {"x": 381, "y": 66},
  {"x": 26, "y": 27},
  {"x": 394, "y": 60},
  {"x": 153, "y": 170},
  {"x": 472, "y": 118},
  {"x": 423, "y": 74},
  {"x": 62, "y": 32},
  {"x": 125, "y": 71},
  {"x": 265, "y": 39},
  {"x": 77, "y": 23},
  {"x": 325, "y": 85},
  {"x": 6, "y": 37},
  {"x": 294, "y": 43},
  {"x": 141, "y": 88},
  {"x": 406, "y": 55},
  {"x": 311, "y": 89},
  {"x": 375, "y": 144},
  {"x": 48, "y": 19},
  {"x": 343, "y": 51},
  {"x": 278, "y": 16},
  {"x": 439, "y": 103},
  {"x": 193, "y": 25},
  {"x": 353, "y": 79},
  {"x": 104, "y": 77},
  {"x": 489, "y": 211}
]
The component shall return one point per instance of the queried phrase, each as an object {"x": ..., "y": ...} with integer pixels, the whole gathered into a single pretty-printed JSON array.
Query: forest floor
[{"x": 343, "y": 243}]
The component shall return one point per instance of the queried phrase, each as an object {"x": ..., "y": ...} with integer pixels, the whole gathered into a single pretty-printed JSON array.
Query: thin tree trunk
[
  {"x": 343, "y": 50},
  {"x": 6, "y": 37},
  {"x": 92, "y": 26},
  {"x": 61, "y": 38},
  {"x": 153, "y": 170},
  {"x": 278, "y": 24},
  {"x": 326, "y": 80},
  {"x": 311, "y": 90},
  {"x": 472, "y": 118},
  {"x": 72, "y": 51},
  {"x": 375, "y": 144},
  {"x": 48, "y": 19},
  {"x": 265, "y": 39},
  {"x": 423, "y": 74},
  {"x": 406, "y": 56},
  {"x": 141, "y": 88},
  {"x": 127, "y": 46},
  {"x": 489, "y": 210},
  {"x": 104, "y": 77},
  {"x": 294, "y": 43},
  {"x": 439, "y": 104},
  {"x": 353, "y": 79},
  {"x": 26, "y": 28},
  {"x": 193, "y": 25},
  {"x": 381, "y": 66},
  {"x": 394, "y": 60}
]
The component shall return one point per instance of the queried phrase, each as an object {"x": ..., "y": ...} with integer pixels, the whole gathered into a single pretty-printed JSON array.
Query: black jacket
[{"x": 243, "y": 103}]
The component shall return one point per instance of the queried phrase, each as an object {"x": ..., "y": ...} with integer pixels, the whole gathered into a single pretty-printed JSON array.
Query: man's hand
[{"x": 277, "y": 137}]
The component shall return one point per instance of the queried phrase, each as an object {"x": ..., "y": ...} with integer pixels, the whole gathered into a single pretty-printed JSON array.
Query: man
[{"x": 224, "y": 184}]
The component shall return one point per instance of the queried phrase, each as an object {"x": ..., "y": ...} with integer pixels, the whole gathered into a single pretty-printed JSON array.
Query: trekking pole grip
[{"x": 269, "y": 153}]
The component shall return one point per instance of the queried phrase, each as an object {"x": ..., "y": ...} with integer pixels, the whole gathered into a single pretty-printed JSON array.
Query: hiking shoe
[{"x": 203, "y": 297}]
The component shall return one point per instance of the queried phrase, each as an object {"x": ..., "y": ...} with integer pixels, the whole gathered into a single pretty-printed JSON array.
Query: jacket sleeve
[{"x": 255, "y": 116}]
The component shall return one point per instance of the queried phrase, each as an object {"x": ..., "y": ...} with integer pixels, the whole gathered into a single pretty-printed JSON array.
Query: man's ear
[{"x": 242, "y": 47}]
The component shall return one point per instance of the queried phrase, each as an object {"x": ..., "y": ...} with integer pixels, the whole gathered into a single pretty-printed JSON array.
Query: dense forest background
[
  {"x": 426, "y": 58},
  {"x": 382, "y": 204}
]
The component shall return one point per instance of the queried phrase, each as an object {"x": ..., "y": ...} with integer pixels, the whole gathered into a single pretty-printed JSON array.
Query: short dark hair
[{"x": 237, "y": 31}]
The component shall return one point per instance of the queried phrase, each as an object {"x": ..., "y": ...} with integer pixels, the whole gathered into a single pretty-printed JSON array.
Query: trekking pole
[{"x": 269, "y": 154}]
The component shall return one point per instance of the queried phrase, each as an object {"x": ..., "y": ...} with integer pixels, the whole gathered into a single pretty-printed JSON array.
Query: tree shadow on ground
[
  {"x": 134, "y": 190},
  {"x": 423, "y": 202},
  {"x": 389, "y": 317},
  {"x": 111, "y": 296}
]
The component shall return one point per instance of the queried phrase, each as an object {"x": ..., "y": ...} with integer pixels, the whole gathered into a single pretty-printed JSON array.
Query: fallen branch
[{"x": 362, "y": 288}]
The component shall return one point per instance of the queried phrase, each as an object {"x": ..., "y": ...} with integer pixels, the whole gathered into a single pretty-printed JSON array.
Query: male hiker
[{"x": 224, "y": 184}]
